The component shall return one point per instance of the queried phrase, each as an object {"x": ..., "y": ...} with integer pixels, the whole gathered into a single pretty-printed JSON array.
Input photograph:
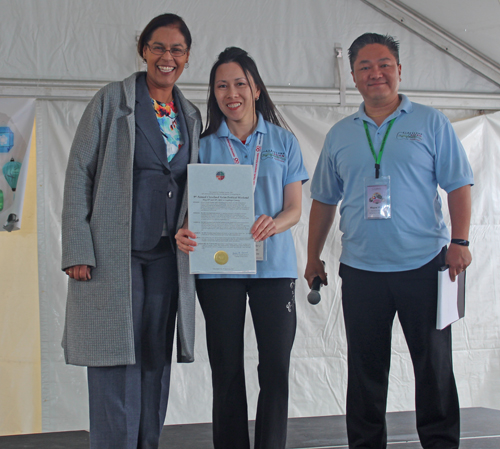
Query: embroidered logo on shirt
[
  {"x": 409, "y": 135},
  {"x": 276, "y": 155}
]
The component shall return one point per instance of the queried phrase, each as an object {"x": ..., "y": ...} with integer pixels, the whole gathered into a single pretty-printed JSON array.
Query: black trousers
[
  {"x": 272, "y": 304},
  {"x": 370, "y": 301},
  {"x": 128, "y": 403}
]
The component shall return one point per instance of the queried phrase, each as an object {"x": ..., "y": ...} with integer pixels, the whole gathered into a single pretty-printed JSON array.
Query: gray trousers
[{"x": 128, "y": 403}]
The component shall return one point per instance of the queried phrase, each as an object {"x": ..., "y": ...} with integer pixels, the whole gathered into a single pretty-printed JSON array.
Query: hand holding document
[
  {"x": 221, "y": 214},
  {"x": 451, "y": 298}
]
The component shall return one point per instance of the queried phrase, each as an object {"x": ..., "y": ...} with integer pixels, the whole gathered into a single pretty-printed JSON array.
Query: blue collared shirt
[
  {"x": 281, "y": 164},
  {"x": 422, "y": 151}
]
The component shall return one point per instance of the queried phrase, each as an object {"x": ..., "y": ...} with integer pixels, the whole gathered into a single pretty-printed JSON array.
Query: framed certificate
[{"x": 221, "y": 214}]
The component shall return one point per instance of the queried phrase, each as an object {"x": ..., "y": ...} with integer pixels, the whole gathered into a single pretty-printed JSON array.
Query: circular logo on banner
[{"x": 220, "y": 175}]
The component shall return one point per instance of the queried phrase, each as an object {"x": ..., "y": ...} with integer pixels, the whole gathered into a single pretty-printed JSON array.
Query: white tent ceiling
[
  {"x": 440, "y": 35},
  {"x": 476, "y": 23},
  {"x": 54, "y": 48}
]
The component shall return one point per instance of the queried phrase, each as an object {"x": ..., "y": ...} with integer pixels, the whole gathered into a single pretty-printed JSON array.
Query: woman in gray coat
[{"x": 124, "y": 200}]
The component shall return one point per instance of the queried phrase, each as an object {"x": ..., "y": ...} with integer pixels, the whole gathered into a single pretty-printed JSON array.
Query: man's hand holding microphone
[{"x": 316, "y": 277}]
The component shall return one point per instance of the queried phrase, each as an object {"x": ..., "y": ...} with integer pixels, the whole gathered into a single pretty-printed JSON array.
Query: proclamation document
[{"x": 221, "y": 214}]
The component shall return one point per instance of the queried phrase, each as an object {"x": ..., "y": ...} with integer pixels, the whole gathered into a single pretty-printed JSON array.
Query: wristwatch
[{"x": 460, "y": 242}]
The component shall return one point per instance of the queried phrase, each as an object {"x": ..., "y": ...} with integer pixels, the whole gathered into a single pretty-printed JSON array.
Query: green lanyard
[{"x": 379, "y": 157}]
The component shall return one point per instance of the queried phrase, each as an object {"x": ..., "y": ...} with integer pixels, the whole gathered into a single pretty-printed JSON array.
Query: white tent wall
[
  {"x": 318, "y": 371},
  {"x": 293, "y": 44}
]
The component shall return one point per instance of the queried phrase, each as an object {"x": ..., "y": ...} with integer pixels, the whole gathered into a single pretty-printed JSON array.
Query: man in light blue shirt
[{"x": 383, "y": 165}]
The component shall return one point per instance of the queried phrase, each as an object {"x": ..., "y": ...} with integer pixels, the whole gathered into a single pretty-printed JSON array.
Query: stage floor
[{"x": 480, "y": 430}]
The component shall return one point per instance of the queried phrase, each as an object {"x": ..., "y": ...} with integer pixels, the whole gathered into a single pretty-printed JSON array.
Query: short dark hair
[
  {"x": 163, "y": 20},
  {"x": 265, "y": 105},
  {"x": 373, "y": 38}
]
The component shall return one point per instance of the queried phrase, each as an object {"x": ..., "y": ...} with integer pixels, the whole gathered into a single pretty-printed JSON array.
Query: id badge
[
  {"x": 260, "y": 248},
  {"x": 260, "y": 251},
  {"x": 378, "y": 198}
]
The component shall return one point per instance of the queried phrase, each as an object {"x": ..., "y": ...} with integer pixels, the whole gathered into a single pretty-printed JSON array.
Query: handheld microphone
[{"x": 314, "y": 297}]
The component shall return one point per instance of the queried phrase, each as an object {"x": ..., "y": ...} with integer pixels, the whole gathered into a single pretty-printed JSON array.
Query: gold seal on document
[{"x": 221, "y": 257}]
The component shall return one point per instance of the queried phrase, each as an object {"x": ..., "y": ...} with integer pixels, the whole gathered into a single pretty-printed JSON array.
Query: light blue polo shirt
[
  {"x": 422, "y": 151},
  {"x": 281, "y": 164}
]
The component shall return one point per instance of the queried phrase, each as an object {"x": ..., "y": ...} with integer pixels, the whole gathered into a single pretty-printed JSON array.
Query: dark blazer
[{"x": 158, "y": 185}]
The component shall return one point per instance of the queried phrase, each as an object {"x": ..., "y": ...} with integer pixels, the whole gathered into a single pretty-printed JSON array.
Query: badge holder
[
  {"x": 260, "y": 249},
  {"x": 378, "y": 198}
]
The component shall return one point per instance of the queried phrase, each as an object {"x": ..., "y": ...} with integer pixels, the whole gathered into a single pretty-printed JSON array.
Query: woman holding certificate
[
  {"x": 241, "y": 119},
  {"x": 124, "y": 200}
]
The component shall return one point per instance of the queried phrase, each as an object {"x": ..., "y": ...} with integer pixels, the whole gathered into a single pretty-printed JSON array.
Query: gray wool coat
[{"x": 96, "y": 231}]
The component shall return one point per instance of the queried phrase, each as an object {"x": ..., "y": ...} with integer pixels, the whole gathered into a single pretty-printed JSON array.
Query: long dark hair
[{"x": 265, "y": 105}]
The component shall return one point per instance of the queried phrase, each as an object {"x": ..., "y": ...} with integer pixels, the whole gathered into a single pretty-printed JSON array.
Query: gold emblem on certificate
[{"x": 221, "y": 257}]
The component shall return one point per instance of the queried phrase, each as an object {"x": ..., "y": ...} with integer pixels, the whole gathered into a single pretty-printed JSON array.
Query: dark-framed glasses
[{"x": 160, "y": 50}]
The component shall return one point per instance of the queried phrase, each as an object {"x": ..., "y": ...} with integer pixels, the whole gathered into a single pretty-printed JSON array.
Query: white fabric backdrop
[{"x": 318, "y": 369}]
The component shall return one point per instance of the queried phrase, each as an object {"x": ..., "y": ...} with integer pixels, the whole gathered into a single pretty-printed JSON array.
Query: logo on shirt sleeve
[{"x": 409, "y": 135}]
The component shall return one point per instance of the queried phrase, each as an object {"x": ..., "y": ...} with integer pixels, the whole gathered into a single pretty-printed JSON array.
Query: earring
[
  {"x": 257, "y": 99},
  {"x": 186, "y": 66}
]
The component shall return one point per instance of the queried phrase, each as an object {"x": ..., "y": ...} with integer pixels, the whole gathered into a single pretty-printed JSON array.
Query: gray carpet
[{"x": 480, "y": 430}]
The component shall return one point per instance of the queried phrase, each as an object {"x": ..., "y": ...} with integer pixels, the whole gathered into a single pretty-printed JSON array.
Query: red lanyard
[{"x": 256, "y": 161}]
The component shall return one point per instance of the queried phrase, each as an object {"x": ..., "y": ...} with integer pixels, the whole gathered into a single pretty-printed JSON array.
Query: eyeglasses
[{"x": 160, "y": 50}]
